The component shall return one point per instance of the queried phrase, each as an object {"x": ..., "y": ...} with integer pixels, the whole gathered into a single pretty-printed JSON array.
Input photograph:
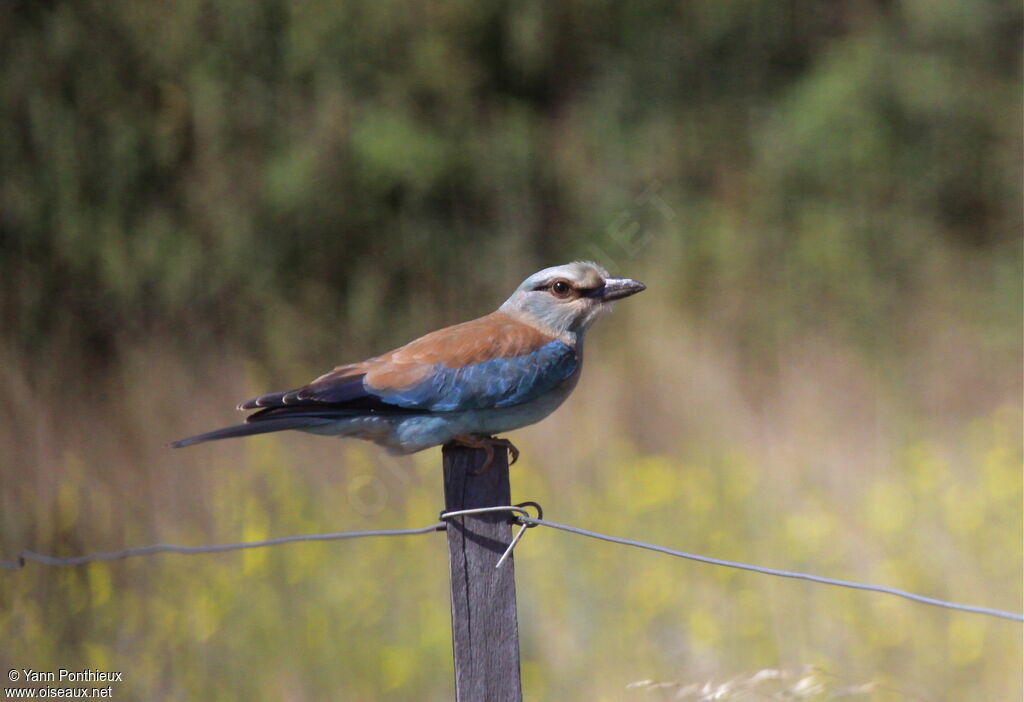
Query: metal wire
[
  {"x": 521, "y": 517},
  {"x": 514, "y": 509},
  {"x": 780, "y": 573},
  {"x": 27, "y": 555}
]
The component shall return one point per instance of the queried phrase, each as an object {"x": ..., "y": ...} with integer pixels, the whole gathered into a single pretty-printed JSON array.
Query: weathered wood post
[{"x": 485, "y": 634}]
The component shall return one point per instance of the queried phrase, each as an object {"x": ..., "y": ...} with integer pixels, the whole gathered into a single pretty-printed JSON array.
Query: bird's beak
[{"x": 618, "y": 288}]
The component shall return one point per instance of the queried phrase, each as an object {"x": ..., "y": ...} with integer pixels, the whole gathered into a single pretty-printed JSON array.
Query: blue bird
[{"x": 463, "y": 383}]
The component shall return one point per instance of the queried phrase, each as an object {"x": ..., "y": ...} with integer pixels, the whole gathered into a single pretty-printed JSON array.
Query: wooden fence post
[{"x": 485, "y": 634}]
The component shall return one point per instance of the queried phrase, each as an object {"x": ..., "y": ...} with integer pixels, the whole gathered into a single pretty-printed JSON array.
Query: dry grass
[{"x": 803, "y": 683}]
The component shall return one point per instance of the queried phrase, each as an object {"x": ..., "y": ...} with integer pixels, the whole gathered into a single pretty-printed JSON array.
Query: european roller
[{"x": 464, "y": 383}]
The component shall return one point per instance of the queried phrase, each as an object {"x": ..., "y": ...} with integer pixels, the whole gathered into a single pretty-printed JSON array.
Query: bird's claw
[
  {"x": 488, "y": 444},
  {"x": 513, "y": 452}
]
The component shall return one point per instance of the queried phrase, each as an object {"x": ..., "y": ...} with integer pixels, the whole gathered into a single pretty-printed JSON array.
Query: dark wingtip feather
[
  {"x": 261, "y": 401},
  {"x": 335, "y": 388}
]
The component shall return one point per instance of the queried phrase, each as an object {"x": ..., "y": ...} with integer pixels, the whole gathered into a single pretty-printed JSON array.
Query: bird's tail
[{"x": 263, "y": 426}]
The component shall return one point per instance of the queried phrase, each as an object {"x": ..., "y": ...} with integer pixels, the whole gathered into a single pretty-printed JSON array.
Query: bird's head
[{"x": 565, "y": 300}]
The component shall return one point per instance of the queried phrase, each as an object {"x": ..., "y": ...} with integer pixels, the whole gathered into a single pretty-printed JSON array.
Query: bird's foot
[
  {"x": 488, "y": 444},
  {"x": 513, "y": 452}
]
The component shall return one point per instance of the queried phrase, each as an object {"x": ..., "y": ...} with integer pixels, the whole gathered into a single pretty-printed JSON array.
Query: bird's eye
[{"x": 560, "y": 288}]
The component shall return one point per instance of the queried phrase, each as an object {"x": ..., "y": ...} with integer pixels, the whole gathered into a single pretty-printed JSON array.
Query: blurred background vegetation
[{"x": 209, "y": 199}]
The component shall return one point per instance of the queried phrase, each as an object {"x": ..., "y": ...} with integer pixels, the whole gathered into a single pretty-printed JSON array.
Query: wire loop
[
  {"x": 535, "y": 505},
  {"x": 515, "y": 509},
  {"x": 518, "y": 515}
]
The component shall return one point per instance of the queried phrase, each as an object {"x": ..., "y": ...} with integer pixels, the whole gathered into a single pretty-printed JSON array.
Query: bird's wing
[{"x": 494, "y": 361}]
